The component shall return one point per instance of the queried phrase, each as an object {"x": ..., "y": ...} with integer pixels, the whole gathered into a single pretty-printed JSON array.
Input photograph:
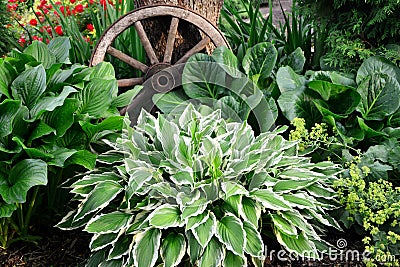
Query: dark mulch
[{"x": 55, "y": 248}]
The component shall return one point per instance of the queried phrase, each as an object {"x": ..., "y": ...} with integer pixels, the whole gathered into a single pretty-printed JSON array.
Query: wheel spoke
[
  {"x": 169, "y": 48},
  {"x": 146, "y": 43},
  {"x": 127, "y": 59},
  {"x": 197, "y": 48},
  {"x": 130, "y": 82}
]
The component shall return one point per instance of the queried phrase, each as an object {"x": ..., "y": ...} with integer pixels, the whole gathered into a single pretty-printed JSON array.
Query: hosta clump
[{"x": 197, "y": 190}]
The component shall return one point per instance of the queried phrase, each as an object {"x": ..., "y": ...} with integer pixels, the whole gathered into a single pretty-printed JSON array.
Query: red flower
[
  {"x": 12, "y": 1},
  {"x": 36, "y": 38},
  {"x": 72, "y": 1},
  {"x": 39, "y": 14},
  {"x": 79, "y": 8},
  {"x": 59, "y": 30},
  {"x": 33, "y": 22},
  {"x": 91, "y": 2},
  {"x": 21, "y": 41},
  {"x": 90, "y": 27}
]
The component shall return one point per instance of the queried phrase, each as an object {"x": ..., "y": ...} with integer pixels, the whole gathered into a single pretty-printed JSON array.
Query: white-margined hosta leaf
[
  {"x": 167, "y": 133},
  {"x": 194, "y": 208},
  {"x": 184, "y": 153},
  {"x": 300, "y": 200},
  {"x": 102, "y": 194},
  {"x": 284, "y": 186},
  {"x": 254, "y": 245},
  {"x": 165, "y": 189},
  {"x": 289, "y": 161},
  {"x": 299, "y": 174},
  {"x": 137, "y": 179},
  {"x": 173, "y": 249},
  {"x": 233, "y": 260},
  {"x": 233, "y": 188},
  {"x": 283, "y": 225},
  {"x": 213, "y": 254},
  {"x": 205, "y": 231},
  {"x": 95, "y": 178},
  {"x": 233, "y": 204},
  {"x": 270, "y": 199},
  {"x": 165, "y": 216},
  {"x": 121, "y": 247},
  {"x": 251, "y": 211},
  {"x": 182, "y": 178},
  {"x": 193, "y": 222},
  {"x": 261, "y": 179},
  {"x": 145, "y": 250},
  {"x": 108, "y": 223},
  {"x": 194, "y": 249},
  {"x": 318, "y": 190},
  {"x": 299, "y": 244},
  {"x": 297, "y": 220},
  {"x": 140, "y": 223},
  {"x": 100, "y": 241},
  {"x": 230, "y": 232},
  {"x": 112, "y": 263}
]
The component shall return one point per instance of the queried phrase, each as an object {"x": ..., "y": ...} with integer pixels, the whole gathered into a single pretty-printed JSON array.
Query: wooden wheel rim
[{"x": 129, "y": 19}]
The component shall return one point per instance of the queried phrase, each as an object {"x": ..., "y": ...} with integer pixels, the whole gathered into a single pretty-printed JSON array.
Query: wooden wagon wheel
[{"x": 134, "y": 18}]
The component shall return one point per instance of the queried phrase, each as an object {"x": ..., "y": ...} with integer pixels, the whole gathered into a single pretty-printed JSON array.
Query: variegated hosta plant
[{"x": 193, "y": 191}]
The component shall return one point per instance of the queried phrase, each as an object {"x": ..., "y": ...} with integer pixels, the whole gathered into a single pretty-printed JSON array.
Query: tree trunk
[{"x": 187, "y": 36}]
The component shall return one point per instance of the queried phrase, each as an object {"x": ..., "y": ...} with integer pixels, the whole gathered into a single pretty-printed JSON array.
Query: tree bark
[{"x": 187, "y": 36}]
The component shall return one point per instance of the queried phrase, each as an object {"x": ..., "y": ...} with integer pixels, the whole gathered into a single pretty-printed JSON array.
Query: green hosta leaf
[
  {"x": 167, "y": 102},
  {"x": 100, "y": 197},
  {"x": 173, "y": 249},
  {"x": 379, "y": 96},
  {"x": 232, "y": 260},
  {"x": 29, "y": 86},
  {"x": 270, "y": 200},
  {"x": 299, "y": 200},
  {"x": 60, "y": 47},
  {"x": 103, "y": 70},
  {"x": 227, "y": 60},
  {"x": 126, "y": 98},
  {"x": 194, "y": 249},
  {"x": 165, "y": 216},
  {"x": 110, "y": 124},
  {"x": 300, "y": 245},
  {"x": 283, "y": 225},
  {"x": 84, "y": 158},
  {"x": 23, "y": 176},
  {"x": 213, "y": 254},
  {"x": 193, "y": 222},
  {"x": 49, "y": 103},
  {"x": 96, "y": 97},
  {"x": 60, "y": 156},
  {"x": 108, "y": 223},
  {"x": 121, "y": 247},
  {"x": 205, "y": 231},
  {"x": 6, "y": 210},
  {"x": 254, "y": 244},
  {"x": 41, "y": 53},
  {"x": 293, "y": 185},
  {"x": 42, "y": 129},
  {"x": 203, "y": 77},
  {"x": 8, "y": 111},
  {"x": 145, "y": 250},
  {"x": 250, "y": 211},
  {"x": 62, "y": 118},
  {"x": 167, "y": 134},
  {"x": 375, "y": 65},
  {"x": 7, "y": 75},
  {"x": 230, "y": 232},
  {"x": 259, "y": 61}
]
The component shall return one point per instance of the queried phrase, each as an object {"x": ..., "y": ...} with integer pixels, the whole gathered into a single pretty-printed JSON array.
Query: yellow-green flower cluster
[{"x": 318, "y": 133}]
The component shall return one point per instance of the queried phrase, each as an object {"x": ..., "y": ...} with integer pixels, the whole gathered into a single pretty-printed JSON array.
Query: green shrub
[
  {"x": 195, "y": 189},
  {"x": 5, "y": 33},
  {"x": 53, "y": 118}
]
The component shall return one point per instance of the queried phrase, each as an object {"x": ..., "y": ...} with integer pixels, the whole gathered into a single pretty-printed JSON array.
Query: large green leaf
[
  {"x": 203, "y": 77},
  {"x": 145, "y": 250},
  {"x": 259, "y": 61},
  {"x": 6, "y": 210},
  {"x": 108, "y": 124},
  {"x": 213, "y": 254},
  {"x": 41, "y": 53},
  {"x": 232, "y": 260},
  {"x": 300, "y": 245},
  {"x": 295, "y": 60},
  {"x": 379, "y": 96},
  {"x": 165, "y": 216},
  {"x": 168, "y": 102},
  {"x": 375, "y": 65},
  {"x": 103, "y": 70},
  {"x": 289, "y": 80},
  {"x": 8, "y": 111},
  {"x": 100, "y": 197},
  {"x": 108, "y": 223},
  {"x": 254, "y": 244},
  {"x": 60, "y": 47},
  {"x": 29, "y": 86},
  {"x": 23, "y": 176},
  {"x": 250, "y": 211},
  {"x": 205, "y": 231},
  {"x": 173, "y": 249},
  {"x": 126, "y": 98},
  {"x": 327, "y": 89},
  {"x": 266, "y": 113},
  {"x": 283, "y": 225},
  {"x": 270, "y": 200},
  {"x": 96, "y": 97},
  {"x": 7, "y": 75},
  {"x": 230, "y": 232},
  {"x": 227, "y": 60}
]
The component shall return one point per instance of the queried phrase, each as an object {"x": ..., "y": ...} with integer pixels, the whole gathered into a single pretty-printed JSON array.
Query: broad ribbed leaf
[
  {"x": 299, "y": 200},
  {"x": 103, "y": 70},
  {"x": 29, "y": 86},
  {"x": 62, "y": 118},
  {"x": 193, "y": 222},
  {"x": 327, "y": 89},
  {"x": 250, "y": 211},
  {"x": 100, "y": 197},
  {"x": 283, "y": 225},
  {"x": 41, "y": 53},
  {"x": 6, "y": 210},
  {"x": 377, "y": 65},
  {"x": 49, "y": 103},
  {"x": 288, "y": 80},
  {"x": 42, "y": 129},
  {"x": 60, "y": 47},
  {"x": 300, "y": 245},
  {"x": 108, "y": 124},
  {"x": 100, "y": 241},
  {"x": 84, "y": 158},
  {"x": 23, "y": 176},
  {"x": 194, "y": 249},
  {"x": 168, "y": 102},
  {"x": 213, "y": 254},
  {"x": 259, "y": 61},
  {"x": 7, "y": 75},
  {"x": 254, "y": 244},
  {"x": 205, "y": 231},
  {"x": 292, "y": 185},
  {"x": 232, "y": 260},
  {"x": 121, "y": 247},
  {"x": 96, "y": 97},
  {"x": 230, "y": 232},
  {"x": 145, "y": 250},
  {"x": 165, "y": 216},
  {"x": 270, "y": 200},
  {"x": 173, "y": 249},
  {"x": 126, "y": 98},
  {"x": 108, "y": 223},
  {"x": 227, "y": 60},
  {"x": 8, "y": 111}
]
